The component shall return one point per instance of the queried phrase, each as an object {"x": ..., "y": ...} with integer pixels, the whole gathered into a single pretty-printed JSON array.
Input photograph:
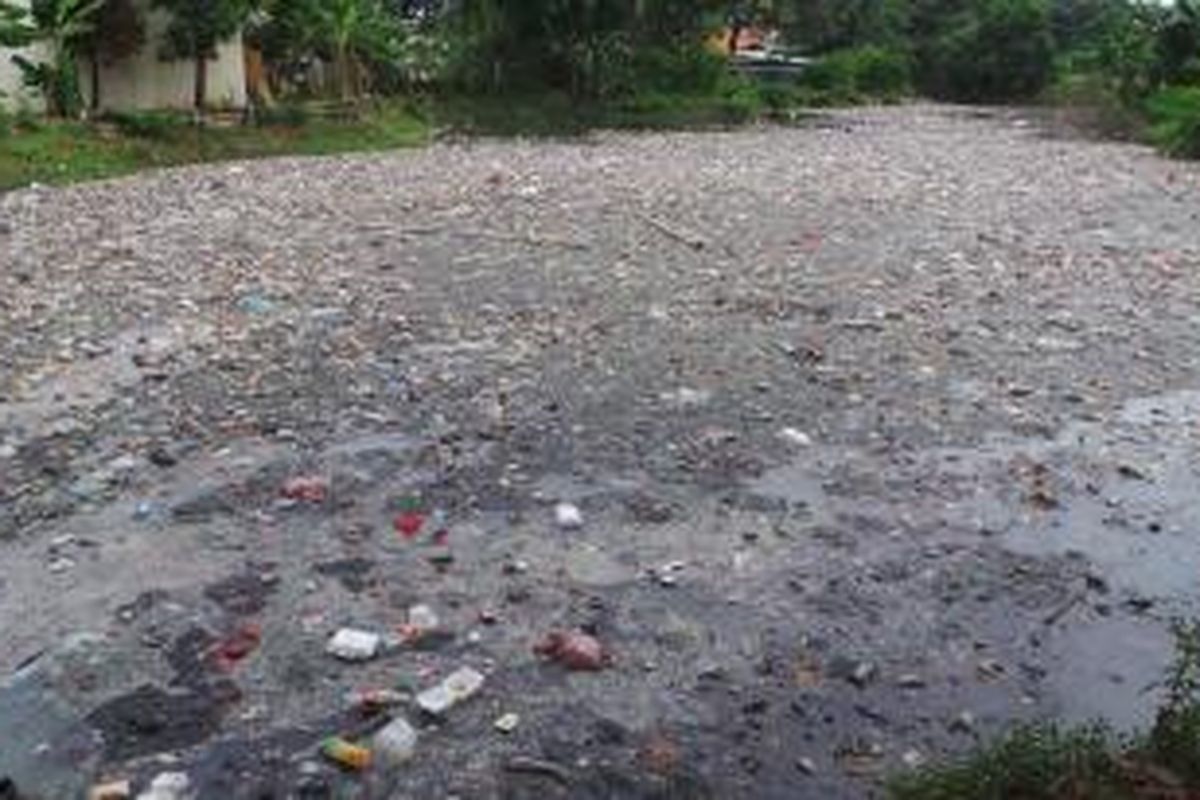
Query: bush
[
  {"x": 1175, "y": 118},
  {"x": 157, "y": 125},
  {"x": 876, "y": 71},
  {"x": 685, "y": 69},
  {"x": 998, "y": 51},
  {"x": 287, "y": 115},
  {"x": 849, "y": 76}
]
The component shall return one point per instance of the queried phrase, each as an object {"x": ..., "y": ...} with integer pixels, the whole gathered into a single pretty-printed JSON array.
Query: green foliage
[
  {"x": 1031, "y": 763},
  {"x": 352, "y": 35},
  {"x": 994, "y": 50},
  {"x": 160, "y": 125},
  {"x": 1175, "y": 739},
  {"x": 856, "y": 74},
  {"x": 586, "y": 48},
  {"x": 61, "y": 152},
  {"x": 196, "y": 27}
]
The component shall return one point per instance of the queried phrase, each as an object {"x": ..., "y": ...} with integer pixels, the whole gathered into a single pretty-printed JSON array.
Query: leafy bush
[
  {"x": 998, "y": 50},
  {"x": 287, "y": 115},
  {"x": 849, "y": 76},
  {"x": 157, "y": 125},
  {"x": 1032, "y": 763},
  {"x": 686, "y": 68},
  {"x": 1175, "y": 118}
]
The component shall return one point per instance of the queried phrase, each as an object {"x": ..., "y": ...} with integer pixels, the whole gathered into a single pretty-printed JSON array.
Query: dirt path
[{"x": 883, "y": 432}]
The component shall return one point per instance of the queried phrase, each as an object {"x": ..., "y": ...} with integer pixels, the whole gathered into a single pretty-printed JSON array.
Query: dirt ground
[{"x": 883, "y": 430}]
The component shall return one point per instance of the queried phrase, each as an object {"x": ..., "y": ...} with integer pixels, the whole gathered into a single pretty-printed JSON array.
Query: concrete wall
[{"x": 145, "y": 81}]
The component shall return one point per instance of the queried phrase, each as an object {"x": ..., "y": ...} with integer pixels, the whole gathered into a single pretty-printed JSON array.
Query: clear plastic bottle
[{"x": 395, "y": 743}]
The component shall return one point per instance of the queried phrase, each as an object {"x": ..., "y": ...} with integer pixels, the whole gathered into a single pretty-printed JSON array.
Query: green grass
[
  {"x": 61, "y": 152},
  {"x": 556, "y": 115}
]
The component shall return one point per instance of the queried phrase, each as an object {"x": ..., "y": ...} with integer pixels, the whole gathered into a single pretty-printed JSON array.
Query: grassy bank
[
  {"x": 1051, "y": 762},
  {"x": 40, "y": 151}
]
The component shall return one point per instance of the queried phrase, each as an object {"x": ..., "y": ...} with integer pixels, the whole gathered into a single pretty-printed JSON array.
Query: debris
[
  {"x": 112, "y": 790},
  {"x": 459, "y": 686},
  {"x": 685, "y": 398},
  {"x": 692, "y": 240},
  {"x": 964, "y": 722},
  {"x": 806, "y": 765},
  {"x": 913, "y": 759},
  {"x": 349, "y": 644},
  {"x": 168, "y": 786},
  {"x": 372, "y": 701},
  {"x": 568, "y": 516},
  {"x": 911, "y": 681},
  {"x": 345, "y": 754},
  {"x": 395, "y": 743},
  {"x": 422, "y": 621},
  {"x": 660, "y": 755},
  {"x": 574, "y": 650},
  {"x": 537, "y": 766},
  {"x": 305, "y": 489},
  {"x": 409, "y": 523},
  {"x": 864, "y": 674},
  {"x": 507, "y": 723},
  {"x": 667, "y": 575},
  {"x": 990, "y": 670},
  {"x": 242, "y": 642},
  {"x": 795, "y": 437}
]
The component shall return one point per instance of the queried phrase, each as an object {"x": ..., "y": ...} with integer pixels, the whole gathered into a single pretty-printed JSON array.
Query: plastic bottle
[
  {"x": 348, "y": 755},
  {"x": 395, "y": 743}
]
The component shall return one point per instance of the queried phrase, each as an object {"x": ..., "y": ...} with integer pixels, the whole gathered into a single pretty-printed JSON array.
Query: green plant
[
  {"x": 993, "y": 50},
  {"x": 1175, "y": 121},
  {"x": 160, "y": 125},
  {"x": 1174, "y": 741},
  {"x": 1038, "y": 762}
]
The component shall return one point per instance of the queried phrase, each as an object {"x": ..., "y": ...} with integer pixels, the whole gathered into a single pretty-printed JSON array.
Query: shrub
[
  {"x": 147, "y": 124},
  {"x": 877, "y": 71},
  {"x": 997, "y": 51},
  {"x": 689, "y": 69},
  {"x": 287, "y": 115},
  {"x": 848, "y": 76},
  {"x": 1175, "y": 119}
]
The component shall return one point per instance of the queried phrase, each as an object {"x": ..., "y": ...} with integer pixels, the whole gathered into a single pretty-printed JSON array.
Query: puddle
[
  {"x": 1135, "y": 498},
  {"x": 1109, "y": 669}
]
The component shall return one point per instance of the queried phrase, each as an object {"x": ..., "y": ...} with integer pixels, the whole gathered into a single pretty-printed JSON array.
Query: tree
[
  {"x": 349, "y": 32},
  {"x": 61, "y": 25},
  {"x": 983, "y": 50},
  {"x": 119, "y": 32},
  {"x": 195, "y": 30}
]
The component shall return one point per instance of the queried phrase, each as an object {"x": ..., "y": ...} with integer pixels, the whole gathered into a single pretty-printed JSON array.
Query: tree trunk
[
  {"x": 345, "y": 78},
  {"x": 95, "y": 63},
  {"x": 201, "y": 86}
]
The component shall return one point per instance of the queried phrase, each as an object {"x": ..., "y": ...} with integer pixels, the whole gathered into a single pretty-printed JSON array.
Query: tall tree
[
  {"x": 119, "y": 32},
  {"x": 195, "y": 30}
]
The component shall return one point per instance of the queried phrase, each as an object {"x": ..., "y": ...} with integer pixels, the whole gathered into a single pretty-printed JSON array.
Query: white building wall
[{"x": 147, "y": 81}]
